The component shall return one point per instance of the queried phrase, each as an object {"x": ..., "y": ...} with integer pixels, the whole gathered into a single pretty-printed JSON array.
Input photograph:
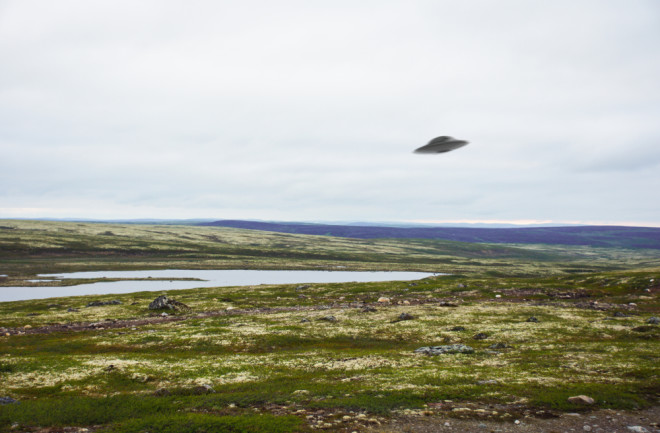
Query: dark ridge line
[{"x": 595, "y": 236}]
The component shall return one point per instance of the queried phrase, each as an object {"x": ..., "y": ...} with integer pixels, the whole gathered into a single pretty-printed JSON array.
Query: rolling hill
[{"x": 595, "y": 236}]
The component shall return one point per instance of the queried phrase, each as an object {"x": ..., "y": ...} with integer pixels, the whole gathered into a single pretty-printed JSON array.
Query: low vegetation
[{"x": 335, "y": 357}]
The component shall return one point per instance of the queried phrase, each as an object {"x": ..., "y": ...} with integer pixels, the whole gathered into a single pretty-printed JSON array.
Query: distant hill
[{"x": 597, "y": 236}]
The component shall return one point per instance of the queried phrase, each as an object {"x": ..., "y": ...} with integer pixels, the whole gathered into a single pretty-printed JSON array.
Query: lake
[{"x": 205, "y": 278}]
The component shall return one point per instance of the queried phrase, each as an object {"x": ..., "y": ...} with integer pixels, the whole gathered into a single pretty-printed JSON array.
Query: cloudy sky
[{"x": 310, "y": 110}]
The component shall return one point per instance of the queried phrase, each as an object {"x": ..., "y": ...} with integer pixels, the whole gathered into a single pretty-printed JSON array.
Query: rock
[
  {"x": 305, "y": 320},
  {"x": 581, "y": 400},
  {"x": 644, "y": 328},
  {"x": 533, "y": 319},
  {"x": 368, "y": 309},
  {"x": 404, "y": 316},
  {"x": 438, "y": 350},
  {"x": 72, "y": 310},
  {"x": 620, "y": 314},
  {"x": 586, "y": 428},
  {"x": 457, "y": 328},
  {"x": 102, "y": 303},
  {"x": 637, "y": 428},
  {"x": 487, "y": 382},
  {"x": 303, "y": 287},
  {"x": 461, "y": 286},
  {"x": 163, "y": 302},
  {"x": 7, "y": 400},
  {"x": 331, "y": 319},
  {"x": 164, "y": 314},
  {"x": 499, "y": 346},
  {"x": 384, "y": 300},
  {"x": 653, "y": 321},
  {"x": 162, "y": 392},
  {"x": 480, "y": 336},
  {"x": 204, "y": 389},
  {"x": 446, "y": 304}
]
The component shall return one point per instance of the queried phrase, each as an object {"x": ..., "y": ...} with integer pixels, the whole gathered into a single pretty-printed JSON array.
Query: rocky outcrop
[
  {"x": 102, "y": 303},
  {"x": 164, "y": 303},
  {"x": 439, "y": 350}
]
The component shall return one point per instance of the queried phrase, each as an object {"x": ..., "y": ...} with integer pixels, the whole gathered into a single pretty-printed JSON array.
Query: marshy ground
[{"x": 339, "y": 357}]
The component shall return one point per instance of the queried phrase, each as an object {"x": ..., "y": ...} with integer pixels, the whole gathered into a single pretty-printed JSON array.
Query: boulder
[
  {"x": 203, "y": 389},
  {"x": 583, "y": 400},
  {"x": 499, "y": 346},
  {"x": 102, "y": 303},
  {"x": 164, "y": 303},
  {"x": 480, "y": 336},
  {"x": 331, "y": 319},
  {"x": 404, "y": 316},
  {"x": 533, "y": 319},
  {"x": 7, "y": 400},
  {"x": 439, "y": 350},
  {"x": 653, "y": 321},
  {"x": 457, "y": 328}
]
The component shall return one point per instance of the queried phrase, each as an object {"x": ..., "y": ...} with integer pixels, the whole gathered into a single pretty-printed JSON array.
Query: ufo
[{"x": 441, "y": 144}]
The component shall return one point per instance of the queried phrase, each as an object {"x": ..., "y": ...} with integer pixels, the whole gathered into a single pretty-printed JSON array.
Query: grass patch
[{"x": 202, "y": 423}]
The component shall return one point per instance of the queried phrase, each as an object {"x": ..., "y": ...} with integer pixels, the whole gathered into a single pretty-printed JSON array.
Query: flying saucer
[{"x": 441, "y": 144}]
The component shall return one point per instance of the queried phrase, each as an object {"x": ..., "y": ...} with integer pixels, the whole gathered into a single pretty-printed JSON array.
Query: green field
[{"x": 285, "y": 358}]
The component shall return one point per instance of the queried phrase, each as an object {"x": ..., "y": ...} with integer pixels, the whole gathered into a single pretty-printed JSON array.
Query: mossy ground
[{"x": 275, "y": 366}]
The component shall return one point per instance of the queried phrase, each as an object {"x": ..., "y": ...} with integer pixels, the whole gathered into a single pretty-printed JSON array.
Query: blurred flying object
[{"x": 441, "y": 144}]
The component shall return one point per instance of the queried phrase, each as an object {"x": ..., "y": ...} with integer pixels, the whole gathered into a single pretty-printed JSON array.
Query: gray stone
[
  {"x": 653, "y": 321},
  {"x": 203, "y": 389},
  {"x": 457, "y": 328},
  {"x": 637, "y": 429},
  {"x": 164, "y": 303},
  {"x": 499, "y": 346},
  {"x": 7, "y": 400},
  {"x": 404, "y": 316},
  {"x": 480, "y": 336},
  {"x": 581, "y": 400},
  {"x": 438, "y": 350},
  {"x": 368, "y": 309},
  {"x": 331, "y": 319},
  {"x": 533, "y": 319},
  {"x": 620, "y": 314},
  {"x": 102, "y": 303}
]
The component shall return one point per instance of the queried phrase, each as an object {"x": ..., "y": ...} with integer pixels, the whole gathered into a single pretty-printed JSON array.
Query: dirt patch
[{"x": 600, "y": 421}]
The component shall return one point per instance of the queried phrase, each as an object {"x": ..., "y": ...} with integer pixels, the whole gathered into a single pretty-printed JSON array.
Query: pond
[{"x": 171, "y": 279}]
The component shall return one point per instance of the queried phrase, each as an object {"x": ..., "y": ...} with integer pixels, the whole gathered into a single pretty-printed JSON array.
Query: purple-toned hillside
[{"x": 597, "y": 236}]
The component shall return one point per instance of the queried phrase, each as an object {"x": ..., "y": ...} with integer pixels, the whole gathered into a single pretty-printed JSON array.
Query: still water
[{"x": 204, "y": 278}]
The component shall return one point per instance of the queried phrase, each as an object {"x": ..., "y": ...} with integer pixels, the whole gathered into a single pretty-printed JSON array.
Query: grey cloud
[{"x": 305, "y": 110}]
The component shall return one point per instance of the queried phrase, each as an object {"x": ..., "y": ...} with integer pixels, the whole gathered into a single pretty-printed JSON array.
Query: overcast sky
[{"x": 310, "y": 110}]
